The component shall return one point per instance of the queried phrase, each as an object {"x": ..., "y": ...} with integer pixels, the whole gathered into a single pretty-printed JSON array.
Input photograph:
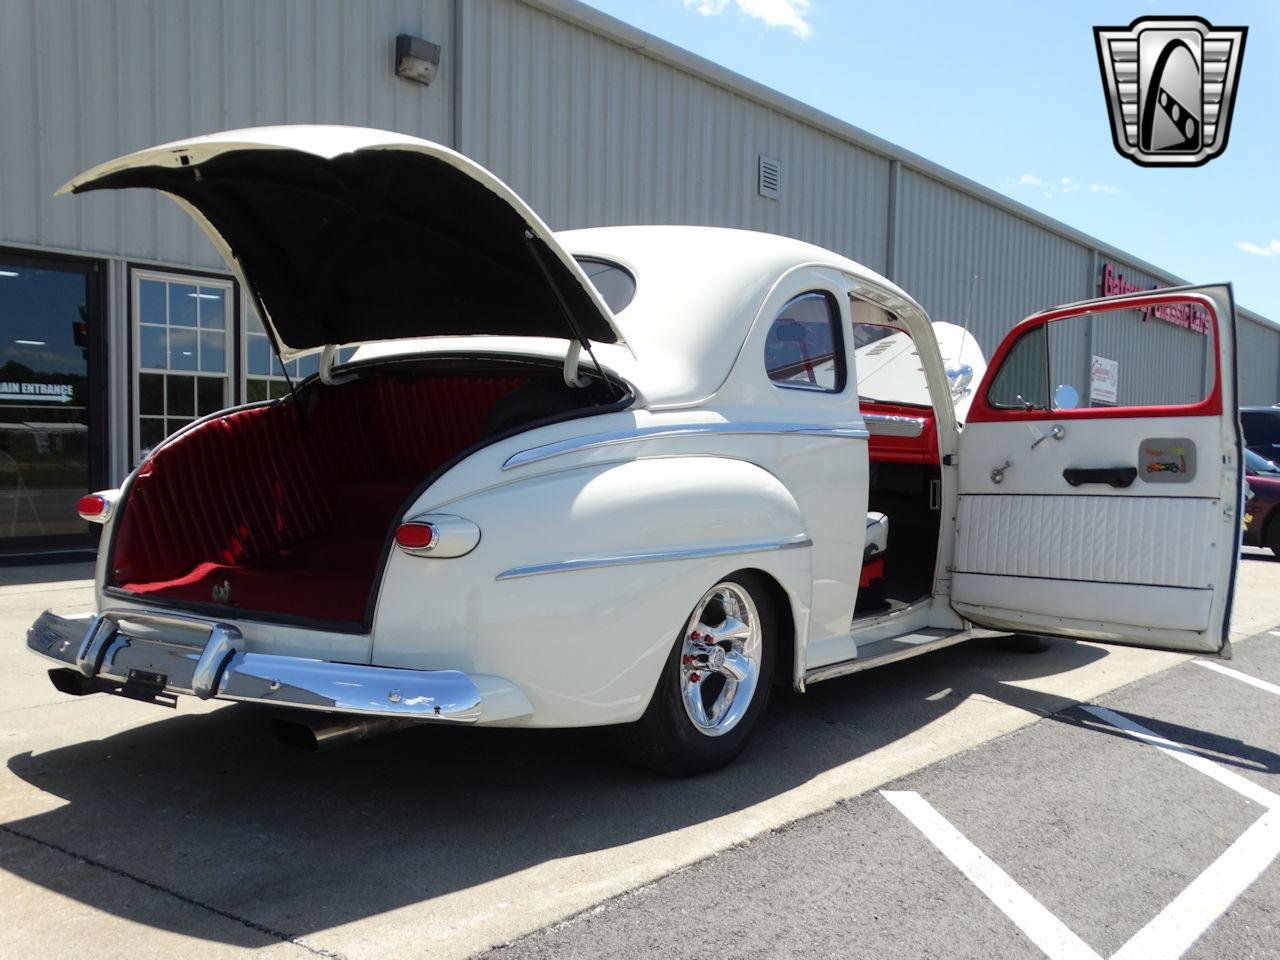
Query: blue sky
[{"x": 1009, "y": 95}]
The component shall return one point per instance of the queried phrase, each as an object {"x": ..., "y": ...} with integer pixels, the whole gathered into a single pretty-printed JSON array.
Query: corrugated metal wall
[
  {"x": 1258, "y": 362},
  {"x": 945, "y": 237},
  {"x": 83, "y": 82},
  {"x": 591, "y": 132}
]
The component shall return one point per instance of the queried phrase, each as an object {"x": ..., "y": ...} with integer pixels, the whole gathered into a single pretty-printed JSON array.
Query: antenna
[{"x": 973, "y": 288}]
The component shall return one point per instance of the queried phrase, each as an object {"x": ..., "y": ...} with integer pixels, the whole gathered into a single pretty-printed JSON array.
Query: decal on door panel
[{"x": 1167, "y": 460}]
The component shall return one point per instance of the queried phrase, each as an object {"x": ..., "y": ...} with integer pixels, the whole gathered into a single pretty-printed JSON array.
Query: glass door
[{"x": 51, "y": 411}]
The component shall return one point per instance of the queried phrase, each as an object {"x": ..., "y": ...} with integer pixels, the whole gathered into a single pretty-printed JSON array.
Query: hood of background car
[{"x": 349, "y": 235}]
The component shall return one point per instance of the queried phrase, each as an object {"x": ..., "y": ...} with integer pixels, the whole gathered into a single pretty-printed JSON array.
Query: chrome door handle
[{"x": 1058, "y": 431}]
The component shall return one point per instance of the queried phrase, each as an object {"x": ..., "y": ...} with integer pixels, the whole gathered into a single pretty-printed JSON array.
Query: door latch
[{"x": 997, "y": 474}]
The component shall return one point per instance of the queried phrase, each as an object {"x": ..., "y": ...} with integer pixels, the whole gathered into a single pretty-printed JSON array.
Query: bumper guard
[{"x": 125, "y": 651}]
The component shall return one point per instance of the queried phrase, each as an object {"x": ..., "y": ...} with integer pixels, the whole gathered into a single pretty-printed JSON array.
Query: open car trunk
[{"x": 287, "y": 509}]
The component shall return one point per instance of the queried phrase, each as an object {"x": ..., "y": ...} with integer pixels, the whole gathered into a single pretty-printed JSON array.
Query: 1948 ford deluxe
[{"x": 623, "y": 476}]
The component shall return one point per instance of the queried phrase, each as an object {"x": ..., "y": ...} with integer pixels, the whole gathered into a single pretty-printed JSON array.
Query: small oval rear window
[{"x": 615, "y": 283}]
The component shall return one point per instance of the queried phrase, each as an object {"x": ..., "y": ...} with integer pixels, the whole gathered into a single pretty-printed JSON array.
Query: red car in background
[{"x": 1262, "y": 512}]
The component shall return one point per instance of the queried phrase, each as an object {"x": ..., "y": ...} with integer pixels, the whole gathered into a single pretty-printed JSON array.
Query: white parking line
[
  {"x": 1242, "y": 677},
  {"x": 1228, "y": 778},
  {"x": 1207, "y": 897},
  {"x": 1044, "y": 929},
  {"x": 1175, "y": 928}
]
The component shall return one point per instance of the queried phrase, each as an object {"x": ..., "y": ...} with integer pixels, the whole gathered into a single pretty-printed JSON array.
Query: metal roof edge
[{"x": 633, "y": 38}]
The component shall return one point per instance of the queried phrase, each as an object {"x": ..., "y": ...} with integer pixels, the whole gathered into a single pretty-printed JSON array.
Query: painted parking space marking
[
  {"x": 1175, "y": 928},
  {"x": 1228, "y": 778},
  {"x": 1033, "y": 918},
  {"x": 1242, "y": 677}
]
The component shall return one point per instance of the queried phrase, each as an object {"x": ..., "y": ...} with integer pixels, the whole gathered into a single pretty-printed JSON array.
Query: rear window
[{"x": 614, "y": 283}]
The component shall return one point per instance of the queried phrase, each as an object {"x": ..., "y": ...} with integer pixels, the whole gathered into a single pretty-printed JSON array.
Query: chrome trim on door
[
  {"x": 847, "y": 431},
  {"x": 657, "y": 556},
  {"x": 894, "y": 425}
]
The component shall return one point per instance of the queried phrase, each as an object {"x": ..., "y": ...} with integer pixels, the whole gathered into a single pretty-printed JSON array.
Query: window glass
[
  {"x": 887, "y": 365},
  {"x": 1021, "y": 382},
  {"x": 1121, "y": 357},
  {"x": 182, "y": 328},
  {"x": 616, "y": 285},
  {"x": 803, "y": 347}
]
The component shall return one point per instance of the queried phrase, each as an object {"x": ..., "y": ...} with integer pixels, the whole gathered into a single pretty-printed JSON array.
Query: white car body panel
[{"x": 599, "y": 534}]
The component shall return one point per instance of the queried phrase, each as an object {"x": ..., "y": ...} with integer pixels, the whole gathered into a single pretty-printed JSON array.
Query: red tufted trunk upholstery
[{"x": 290, "y": 504}]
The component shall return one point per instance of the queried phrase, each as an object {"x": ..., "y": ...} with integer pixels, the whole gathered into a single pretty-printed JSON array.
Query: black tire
[
  {"x": 1023, "y": 643},
  {"x": 665, "y": 740},
  {"x": 1273, "y": 533}
]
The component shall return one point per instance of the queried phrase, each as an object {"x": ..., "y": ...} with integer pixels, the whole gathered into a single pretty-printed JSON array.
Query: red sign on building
[{"x": 1187, "y": 315}]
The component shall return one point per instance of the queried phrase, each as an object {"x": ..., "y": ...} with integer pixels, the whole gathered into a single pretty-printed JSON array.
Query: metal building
[{"x": 592, "y": 121}]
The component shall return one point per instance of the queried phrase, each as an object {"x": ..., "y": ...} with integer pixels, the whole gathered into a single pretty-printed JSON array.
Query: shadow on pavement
[{"x": 210, "y": 806}]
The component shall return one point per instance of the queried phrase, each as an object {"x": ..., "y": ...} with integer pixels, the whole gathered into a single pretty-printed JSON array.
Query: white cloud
[
  {"x": 1270, "y": 250},
  {"x": 1027, "y": 180},
  {"x": 792, "y": 14},
  {"x": 1103, "y": 188}
]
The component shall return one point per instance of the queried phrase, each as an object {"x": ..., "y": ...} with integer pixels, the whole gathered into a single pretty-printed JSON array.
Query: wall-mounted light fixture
[{"x": 416, "y": 59}]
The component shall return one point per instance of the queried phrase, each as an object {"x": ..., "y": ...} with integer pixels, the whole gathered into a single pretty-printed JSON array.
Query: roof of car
[{"x": 697, "y": 291}]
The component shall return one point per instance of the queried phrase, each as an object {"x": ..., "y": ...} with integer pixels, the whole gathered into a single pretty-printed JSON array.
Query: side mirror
[
  {"x": 960, "y": 377},
  {"x": 1066, "y": 397}
]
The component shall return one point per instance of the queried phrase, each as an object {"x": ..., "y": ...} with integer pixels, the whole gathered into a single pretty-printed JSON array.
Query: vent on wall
[{"x": 769, "y": 178}]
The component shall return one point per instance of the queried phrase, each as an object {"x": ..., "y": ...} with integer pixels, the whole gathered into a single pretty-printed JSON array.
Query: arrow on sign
[{"x": 37, "y": 397}]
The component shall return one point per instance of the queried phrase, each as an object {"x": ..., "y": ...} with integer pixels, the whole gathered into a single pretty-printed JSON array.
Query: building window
[
  {"x": 183, "y": 326},
  {"x": 264, "y": 377}
]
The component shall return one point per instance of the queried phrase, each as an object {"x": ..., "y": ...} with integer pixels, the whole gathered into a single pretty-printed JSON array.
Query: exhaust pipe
[{"x": 324, "y": 732}]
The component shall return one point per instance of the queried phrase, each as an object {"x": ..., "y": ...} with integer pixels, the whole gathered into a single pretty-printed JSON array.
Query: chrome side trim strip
[
  {"x": 658, "y": 556},
  {"x": 894, "y": 425},
  {"x": 847, "y": 431}
]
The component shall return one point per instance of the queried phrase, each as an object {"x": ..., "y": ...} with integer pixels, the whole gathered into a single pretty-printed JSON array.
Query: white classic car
[{"x": 628, "y": 476}]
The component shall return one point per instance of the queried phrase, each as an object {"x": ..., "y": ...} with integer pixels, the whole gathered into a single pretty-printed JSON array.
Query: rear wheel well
[{"x": 785, "y": 655}]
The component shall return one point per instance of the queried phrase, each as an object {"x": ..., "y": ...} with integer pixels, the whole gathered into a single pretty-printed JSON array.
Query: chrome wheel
[{"x": 720, "y": 659}]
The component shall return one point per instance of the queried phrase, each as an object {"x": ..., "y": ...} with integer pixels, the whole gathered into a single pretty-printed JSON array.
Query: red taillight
[
  {"x": 91, "y": 505},
  {"x": 415, "y": 536}
]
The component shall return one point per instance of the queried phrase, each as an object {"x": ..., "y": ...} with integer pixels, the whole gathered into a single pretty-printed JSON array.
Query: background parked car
[
  {"x": 1262, "y": 430},
  {"x": 1263, "y": 511}
]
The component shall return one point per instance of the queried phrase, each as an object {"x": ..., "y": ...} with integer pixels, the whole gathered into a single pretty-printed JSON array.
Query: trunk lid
[{"x": 347, "y": 235}]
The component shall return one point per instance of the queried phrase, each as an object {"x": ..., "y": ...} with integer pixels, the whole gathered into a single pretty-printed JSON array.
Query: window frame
[
  {"x": 837, "y": 319},
  {"x": 231, "y": 333},
  {"x": 984, "y": 411}
]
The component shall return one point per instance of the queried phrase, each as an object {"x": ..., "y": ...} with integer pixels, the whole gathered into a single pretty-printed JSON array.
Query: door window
[
  {"x": 183, "y": 328},
  {"x": 1128, "y": 359},
  {"x": 47, "y": 315}
]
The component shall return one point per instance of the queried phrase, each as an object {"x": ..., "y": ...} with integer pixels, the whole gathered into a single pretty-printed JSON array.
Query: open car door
[{"x": 1100, "y": 474}]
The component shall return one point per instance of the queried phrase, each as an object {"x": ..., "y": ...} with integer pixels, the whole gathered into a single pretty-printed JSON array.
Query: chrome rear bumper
[{"x": 154, "y": 656}]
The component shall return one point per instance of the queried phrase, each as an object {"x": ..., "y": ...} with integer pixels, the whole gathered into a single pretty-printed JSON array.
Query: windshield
[{"x": 1260, "y": 465}]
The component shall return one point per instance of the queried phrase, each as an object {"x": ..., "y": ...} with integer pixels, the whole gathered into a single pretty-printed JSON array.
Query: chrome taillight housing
[
  {"x": 97, "y": 507},
  {"x": 437, "y": 535}
]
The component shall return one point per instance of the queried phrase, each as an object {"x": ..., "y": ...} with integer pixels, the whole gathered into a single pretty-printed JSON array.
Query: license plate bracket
[{"x": 147, "y": 686}]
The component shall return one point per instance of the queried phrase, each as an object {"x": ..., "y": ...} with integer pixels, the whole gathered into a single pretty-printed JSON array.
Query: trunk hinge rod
[
  {"x": 578, "y": 341},
  {"x": 270, "y": 329}
]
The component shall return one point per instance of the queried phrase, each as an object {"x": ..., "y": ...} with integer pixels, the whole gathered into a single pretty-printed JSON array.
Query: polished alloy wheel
[{"x": 720, "y": 659}]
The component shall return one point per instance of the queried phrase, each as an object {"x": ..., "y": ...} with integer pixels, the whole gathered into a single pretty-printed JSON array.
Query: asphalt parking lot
[{"x": 127, "y": 830}]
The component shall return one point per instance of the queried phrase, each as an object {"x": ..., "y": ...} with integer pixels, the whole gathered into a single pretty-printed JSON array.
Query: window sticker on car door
[{"x": 1167, "y": 460}]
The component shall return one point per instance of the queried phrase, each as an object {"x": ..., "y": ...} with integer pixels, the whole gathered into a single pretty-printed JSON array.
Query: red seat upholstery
[{"x": 290, "y": 504}]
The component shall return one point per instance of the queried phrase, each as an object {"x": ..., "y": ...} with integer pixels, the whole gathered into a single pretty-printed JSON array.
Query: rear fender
[{"x": 583, "y": 578}]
